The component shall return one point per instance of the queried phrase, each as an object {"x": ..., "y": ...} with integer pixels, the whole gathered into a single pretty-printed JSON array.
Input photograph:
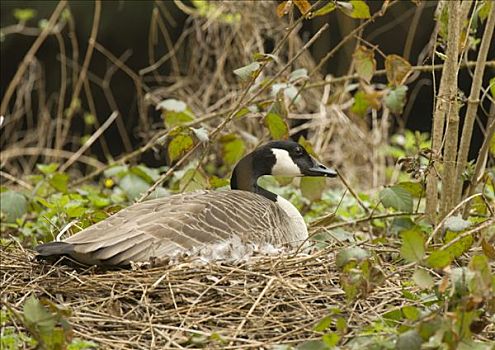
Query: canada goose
[{"x": 167, "y": 226}]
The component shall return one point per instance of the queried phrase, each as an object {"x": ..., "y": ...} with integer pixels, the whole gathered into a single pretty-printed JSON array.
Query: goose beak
[{"x": 320, "y": 170}]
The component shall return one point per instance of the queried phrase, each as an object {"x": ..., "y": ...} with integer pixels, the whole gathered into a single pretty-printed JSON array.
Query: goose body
[{"x": 167, "y": 226}]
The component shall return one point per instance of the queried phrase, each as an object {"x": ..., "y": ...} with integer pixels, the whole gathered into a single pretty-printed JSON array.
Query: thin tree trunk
[
  {"x": 445, "y": 98},
  {"x": 473, "y": 101}
]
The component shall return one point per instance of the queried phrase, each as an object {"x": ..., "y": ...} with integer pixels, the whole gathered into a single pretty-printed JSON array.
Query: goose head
[{"x": 279, "y": 158}]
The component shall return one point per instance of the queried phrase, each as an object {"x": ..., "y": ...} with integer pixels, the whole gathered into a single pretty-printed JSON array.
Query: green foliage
[
  {"x": 24, "y": 15},
  {"x": 365, "y": 63},
  {"x": 397, "y": 197}
]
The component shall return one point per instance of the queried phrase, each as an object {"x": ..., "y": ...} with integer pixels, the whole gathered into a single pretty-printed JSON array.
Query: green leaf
[
  {"x": 484, "y": 10},
  {"x": 323, "y": 324},
  {"x": 411, "y": 312},
  {"x": 247, "y": 72},
  {"x": 346, "y": 255},
  {"x": 313, "y": 345},
  {"x": 116, "y": 170},
  {"x": 98, "y": 201},
  {"x": 330, "y": 339},
  {"x": 459, "y": 247},
  {"x": 364, "y": 63},
  {"x": 133, "y": 186},
  {"x": 359, "y": 9},
  {"x": 24, "y": 15},
  {"x": 312, "y": 187},
  {"x": 279, "y": 130},
  {"x": 175, "y": 112},
  {"x": 179, "y": 145},
  {"x": 361, "y": 104},
  {"x": 409, "y": 340},
  {"x": 439, "y": 259},
  {"x": 192, "y": 180},
  {"x": 395, "y": 100},
  {"x": 47, "y": 169},
  {"x": 413, "y": 245},
  {"x": 397, "y": 69},
  {"x": 216, "y": 182},
  {"x": 13, "y": 204},
  {"x": 37, "y": 316},
  {"x": 456, "y": 223},
  {"x": 414, "y": 188},
  {"x": 59, "y": 181},
  {"x": 423, "y": 279},
  {"x": 233, "y": 148},
  {"x": 75, "y": 210},
  {"x": 329, "y": 7},
  {"x": 396, "y": 197}
]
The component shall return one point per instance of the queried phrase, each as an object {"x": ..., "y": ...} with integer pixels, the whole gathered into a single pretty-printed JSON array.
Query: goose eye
[{"x": 298, "y": 151}]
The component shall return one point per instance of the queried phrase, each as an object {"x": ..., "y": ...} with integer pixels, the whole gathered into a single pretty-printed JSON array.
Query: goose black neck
[{"x": 249, "y": 169}]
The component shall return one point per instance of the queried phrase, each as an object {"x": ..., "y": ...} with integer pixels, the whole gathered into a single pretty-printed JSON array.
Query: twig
[
  {"x": 30, "y": 55},
  {"x": 473, "y": 101},
  {"x": 244, "y": 320},
  {"x": 82, "y": 75},
  {"x": 484, "y": 224},
  {"x": 356, "y": 197},
  {"x": 48, "y": 152},
  {"x": 90, "y": 141}
]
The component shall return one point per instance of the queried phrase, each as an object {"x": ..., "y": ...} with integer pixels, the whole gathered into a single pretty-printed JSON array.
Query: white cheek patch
[{"x": 284, "y": 165}]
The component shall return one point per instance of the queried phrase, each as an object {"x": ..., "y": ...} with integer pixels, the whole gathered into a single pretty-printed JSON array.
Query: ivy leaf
[
  {"x": 395, "y": 100},
  {"x": 179, "y": 145},
  {"x": 312, "y": 187},
  {"x": 439, "y": 259},
  {"x": 423, "y": 279},
  {"x": 360, "y": 9},
  {"x": 396, "y": 197},
  {"x": 247, "y": 72},
  {"x": 413, "y": 245},
  {"x": 13, "y": 204},
  {"x": 397, "y": 69},
  {"x": 365, "y": 63},
  {"x": 325, "y": 9},
  {"x": 278, "y": 128},
  {"x": 233, "y": 148}
]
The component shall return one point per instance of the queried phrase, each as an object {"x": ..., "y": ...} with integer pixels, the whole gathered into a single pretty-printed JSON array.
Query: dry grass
[{"x": 266, "y": 301}]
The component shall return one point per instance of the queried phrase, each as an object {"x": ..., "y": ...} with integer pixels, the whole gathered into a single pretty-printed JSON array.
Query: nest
[{"x": 265, "y": 301}]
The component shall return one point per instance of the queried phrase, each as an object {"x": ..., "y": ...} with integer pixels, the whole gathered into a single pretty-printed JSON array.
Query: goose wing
[{"x": 165, "y": 226}]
